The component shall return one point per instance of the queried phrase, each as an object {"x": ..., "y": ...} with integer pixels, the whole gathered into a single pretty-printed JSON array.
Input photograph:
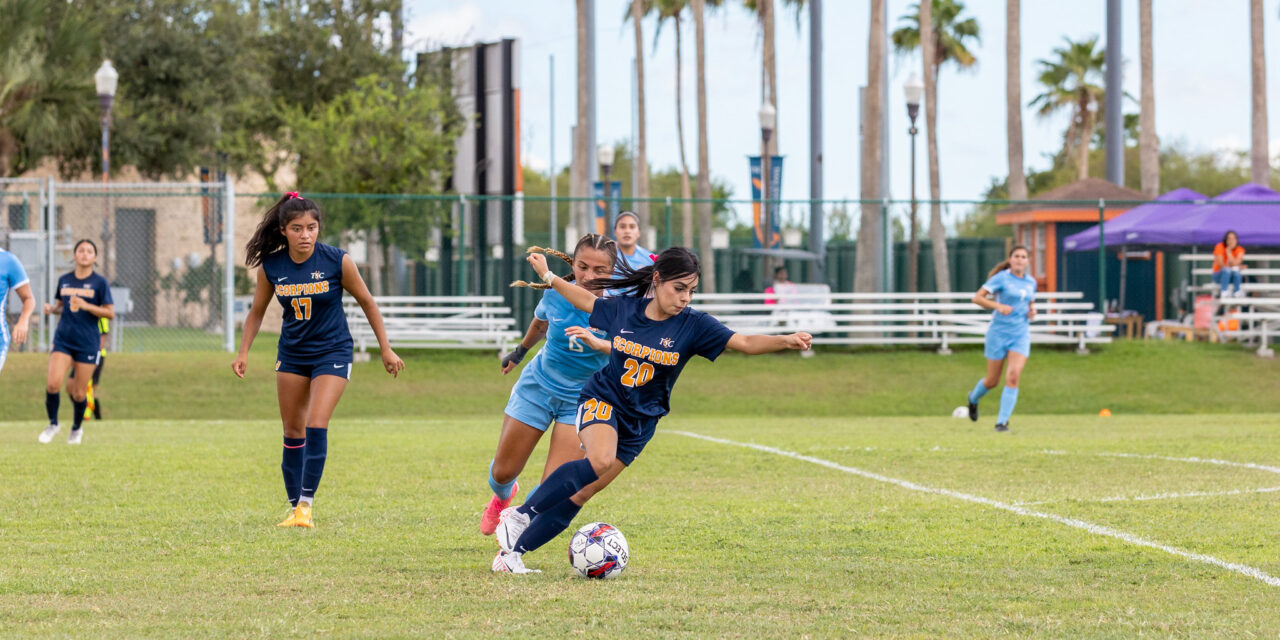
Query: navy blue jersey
[
  {"x": 648, "y": 355},
  {"x": 315, "y": 326},
  {"x": 78, "y": 330}
]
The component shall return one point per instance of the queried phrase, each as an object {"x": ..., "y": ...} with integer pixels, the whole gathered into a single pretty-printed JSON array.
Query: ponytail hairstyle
[
  {"x": 589, "y": 241},
  {"x": 672, "y": 264},
  {"x": 1004, "y": 264},
  {"x": 269, "y": 238}
]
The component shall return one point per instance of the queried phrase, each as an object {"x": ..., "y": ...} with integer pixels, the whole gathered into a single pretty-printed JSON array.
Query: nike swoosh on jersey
[
  {"x": 338, "y": 366},
  {"x": 625, "y": 331},
  {"x": 282, "y": 278}
]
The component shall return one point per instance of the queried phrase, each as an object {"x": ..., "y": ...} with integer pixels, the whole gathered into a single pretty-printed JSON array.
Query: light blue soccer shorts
[
  {"x": 1000, "y": 343},
  {"x": 533, "y": 405}
]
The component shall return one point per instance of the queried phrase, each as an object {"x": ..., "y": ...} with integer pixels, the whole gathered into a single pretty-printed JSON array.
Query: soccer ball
[
  {"x": 598, "y": 550},
  {"x": 960, "y": 412}
]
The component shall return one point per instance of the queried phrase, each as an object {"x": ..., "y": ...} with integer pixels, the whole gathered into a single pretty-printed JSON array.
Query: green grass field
[{"x": 860, "y": 513}]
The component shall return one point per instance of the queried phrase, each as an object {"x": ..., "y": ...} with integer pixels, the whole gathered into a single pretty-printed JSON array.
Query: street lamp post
[
  {"x": 913, "y": 89},
  {"x": 768, "y": 121},
  {"x": 105, "y": 81},
  {"x": 604, "y": 155}
]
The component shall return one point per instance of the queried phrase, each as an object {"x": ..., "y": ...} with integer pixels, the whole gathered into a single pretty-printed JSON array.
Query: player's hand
[
  {"x": 47, "y": 309},
  {"x": 1031, "y": 314},
  {"x": 20, "y": 332},
  {"x": 1004, "y": 309},
  {"x": 513, "y": 358},
  {"x": 75, "y": 303},
  {"x": 392, "y": 363},
  {"x": 584, "y": 334},
  {"x": 539, "y": 263},
  {"x": 800, "y": 341},
  {"x": 240, "y": 364}
]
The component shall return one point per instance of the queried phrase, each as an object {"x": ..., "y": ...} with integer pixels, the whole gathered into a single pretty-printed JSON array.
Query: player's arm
[
  {"x": 107, "y": 311},
  {"x": 584, "y": 334},
  {"x": 54, "y": 308},
  {"x": 1031, "y": 310},
  {"x": 536, "y": 332},
  {"x": 354, "y": 284},
  {"x": 580, "y": 298},
  {"x": 980, "y": 298},
  {"x": 253, "y": 322},
  {"x": 24, "y": 321},
  {"x": 754, "y": 345}
]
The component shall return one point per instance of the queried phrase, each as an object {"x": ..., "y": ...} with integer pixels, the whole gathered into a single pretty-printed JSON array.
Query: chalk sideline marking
[{"x": 1095, "y": 529}]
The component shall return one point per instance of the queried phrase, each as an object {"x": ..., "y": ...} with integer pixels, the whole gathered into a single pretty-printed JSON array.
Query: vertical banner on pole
[
  {"x": 775, "y": 188},
  {"x": 604, "y": 215}
]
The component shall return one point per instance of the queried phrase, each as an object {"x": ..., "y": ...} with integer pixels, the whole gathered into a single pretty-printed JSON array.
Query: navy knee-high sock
[
  {"x": 547, "y": 525},
  {"x": 291, "y": 467},
  {"x": 51, "y": 401},
  {"x": 313, "y": 455},
  {"x": 77, "y": 412},
  {"x": 565, "y": 481}
]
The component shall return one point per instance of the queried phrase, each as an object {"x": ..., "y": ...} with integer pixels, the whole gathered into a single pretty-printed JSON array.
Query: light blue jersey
[
  {"x": 638, "y": 258},
  {"x": 12, "y": 276},
  {"x": 1015, "y": 292},
  {"x": 564, "y": 364}
]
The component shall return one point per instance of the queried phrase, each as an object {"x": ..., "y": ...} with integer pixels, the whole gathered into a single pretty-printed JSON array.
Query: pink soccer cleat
[{"x": 493, "y": 511}]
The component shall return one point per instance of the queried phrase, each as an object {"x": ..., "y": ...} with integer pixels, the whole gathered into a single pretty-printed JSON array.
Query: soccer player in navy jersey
[
  {"x": 653, "y": 333},
  {"x": 313, "y": 358},
  {"x": 547, "y": 392},
  {"x": 1009, "y": 293},
  {"x": 83, "y": 297}
]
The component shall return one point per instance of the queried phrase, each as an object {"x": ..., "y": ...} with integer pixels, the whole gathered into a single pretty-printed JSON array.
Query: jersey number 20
[
  {"x": 637, "y": 373},
  {"x": 301, "y": 308}
]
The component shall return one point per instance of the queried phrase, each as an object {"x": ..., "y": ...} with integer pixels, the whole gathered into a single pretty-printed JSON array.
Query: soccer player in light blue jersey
[
  {"x": 546, "y": 395},
  {"x": 1010, "y": 294},
  {"x": 14, "y": 278},
  {"x": 626, "y": 232},
  {"x": 313, "y": 356},
  {"x": 653, "y": 334}
]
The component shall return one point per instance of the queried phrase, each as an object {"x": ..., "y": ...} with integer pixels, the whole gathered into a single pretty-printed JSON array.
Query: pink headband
[
  {"x": 653, "y": 257},
  {"x": 293, "y": 194}
]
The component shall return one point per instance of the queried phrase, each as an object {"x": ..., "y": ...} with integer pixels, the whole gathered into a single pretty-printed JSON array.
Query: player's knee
[
  {"x": 990, "y": 382},
  {"x": 601, "y": 462},
  {"x": 51, "y": 387},
  {"x": 1011, "y": 379},
  {"x": 504, "y": 472}
]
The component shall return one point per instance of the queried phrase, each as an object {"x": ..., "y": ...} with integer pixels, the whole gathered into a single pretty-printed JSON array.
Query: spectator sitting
[
  {"x": 1228, "y": 260},
  {"x": 781, "y": 284}
]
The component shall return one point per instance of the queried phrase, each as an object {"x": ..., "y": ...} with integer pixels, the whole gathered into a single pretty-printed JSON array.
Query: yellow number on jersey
[
  {"x": 595, "y": 410},
  {"x": 301, "y": 308},
  {"x": 637, "y": 373}
]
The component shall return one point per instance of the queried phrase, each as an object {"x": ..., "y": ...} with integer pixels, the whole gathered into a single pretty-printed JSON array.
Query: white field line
[
  {"x": 1159, "y": 496},
  {"x": 1095, "y": 529},
  {"x": 1224, "y": 463}
]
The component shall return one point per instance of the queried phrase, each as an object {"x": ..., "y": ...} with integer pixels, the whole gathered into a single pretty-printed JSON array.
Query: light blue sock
[
  {"x": 1008, "y": 400},
  {"x": 979, "y": 390},
  {"x": 503, "y": 491}
]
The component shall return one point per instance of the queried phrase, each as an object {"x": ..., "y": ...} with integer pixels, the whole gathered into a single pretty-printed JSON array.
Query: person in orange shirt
[{"x": 1228, "y": 260}]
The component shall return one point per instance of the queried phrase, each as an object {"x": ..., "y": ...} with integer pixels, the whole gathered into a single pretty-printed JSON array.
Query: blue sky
[{"x": 1201, "y": 82}]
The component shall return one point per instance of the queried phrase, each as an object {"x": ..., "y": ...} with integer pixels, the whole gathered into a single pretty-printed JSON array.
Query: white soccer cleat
[
  {"x": 511, "y": 524},
  {"x": 49, "y": 432},
  {"x": 75, "y": 436},
  {"x": 507, "y": 562}
]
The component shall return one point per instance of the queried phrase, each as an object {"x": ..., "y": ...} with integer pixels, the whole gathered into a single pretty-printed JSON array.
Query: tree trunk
[
  {"x": 1084, "y": 132},
  {"x": 641, "y": 188},
  {"x": 864, "y": 280},
  {"x": 373, "y": 251},
  {"x": 686, "y": 194},
  {"x": 1013, "y": 99},
  {"x": 1148, "y": 146},
  {"x": 708, "y": 281},
  {"x": 769, "y": 68},
  {"x": 937, "y": 231},
  {"x": 1258, "y": 155},
  {"x": 581, "y": 152}
]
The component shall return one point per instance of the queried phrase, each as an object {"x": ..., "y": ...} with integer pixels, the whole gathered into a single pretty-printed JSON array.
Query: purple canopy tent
[
  {"x": 1251, "y": 210},
  {"x": 1140, "y": 224}
]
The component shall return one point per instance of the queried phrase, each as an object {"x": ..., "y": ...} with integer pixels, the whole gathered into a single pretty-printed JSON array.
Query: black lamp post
[
  {"x": 913, "y": 90},
  {"x": 105, "y": 81},
  {"x": 604, "y": 155}
]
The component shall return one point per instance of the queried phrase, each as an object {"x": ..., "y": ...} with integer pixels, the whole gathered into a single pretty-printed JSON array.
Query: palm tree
[
  {"x": 673, "y": 10},
  {"x": 581, "y": 145},
  {"x": 864, "y": 279},
  {"x": 1258, "y": 156},
  {"x": 1013, "y": 98},
  {"x": 641, "y": 189},
  {"x": 1072, "y": 81},
  {"x": 704, "y": 171},
  {"x": 1148, "y": 146},
  {"x": 950, "y": 38}
]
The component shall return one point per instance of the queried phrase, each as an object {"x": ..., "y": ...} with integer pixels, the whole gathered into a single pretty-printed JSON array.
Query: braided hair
[{"x": 590, "y": 241}]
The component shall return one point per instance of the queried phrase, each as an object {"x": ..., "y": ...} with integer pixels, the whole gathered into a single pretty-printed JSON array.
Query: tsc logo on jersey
[
  {"x": 667, "y": 342},
  {"x": 316, "y": 275}
]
